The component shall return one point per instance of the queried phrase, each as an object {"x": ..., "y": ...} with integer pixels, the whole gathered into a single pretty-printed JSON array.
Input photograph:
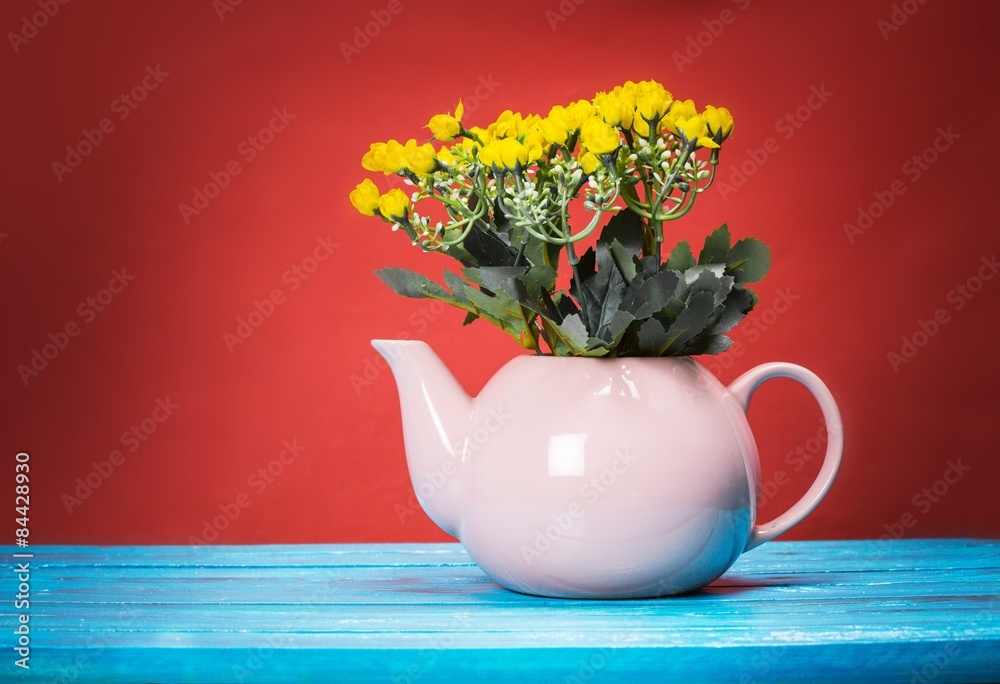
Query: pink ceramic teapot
[{"x": 595, "y": 478}]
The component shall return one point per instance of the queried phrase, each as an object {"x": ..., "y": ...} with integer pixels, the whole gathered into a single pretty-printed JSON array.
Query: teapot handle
[{"x": 742, "y": 389}]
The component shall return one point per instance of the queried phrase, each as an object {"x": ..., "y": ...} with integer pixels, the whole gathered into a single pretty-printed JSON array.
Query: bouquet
[{"x": 511, "y": 202}]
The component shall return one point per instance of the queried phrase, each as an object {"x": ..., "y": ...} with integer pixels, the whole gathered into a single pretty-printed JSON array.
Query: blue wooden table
[{"x": 907, "y": 611}]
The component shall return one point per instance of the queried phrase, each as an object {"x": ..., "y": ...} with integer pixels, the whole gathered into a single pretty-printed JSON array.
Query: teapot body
[
  {"x": 606, "y": 478},
  {"x": 595, "y": 478}
]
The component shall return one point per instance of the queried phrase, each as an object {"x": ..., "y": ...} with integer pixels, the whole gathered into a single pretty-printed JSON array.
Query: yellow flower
[
  {"x": 394, "y": 157},
  {"x": 578, "y": 113},
  {"x": 528, "y": 124},
  {"x": 395, "y": 205},
  {"x": 683, "y": 108},
  {"x": 510, "y": 153},
  {"x": 535, "y": 144},
  {"x": 513, "y": 153},
  {"x": 720, "y": 122},
  {"x": 374, "y": 159},
  {"x": 610, "y": 108},
  {"x": 588, "y": 162},
  {"x": 696, "y": 128},
  {"x": 489, "y": 155},
  {"x": 481, "y": 133},
  {"x": 420, "y": 159},
  {"x": 365, "y": 198},
  {"x": 626, "y": 94},
  {"x": 556, "y": 126},
  {"x": 640, "y": 126},
  {"x": 446, "y": 127},
  {"x": 653, "y": 104},
  {"x": 507, "y": 125},
  {"x": 680, "y": 111},
  {"x": 599, "y": 137}
]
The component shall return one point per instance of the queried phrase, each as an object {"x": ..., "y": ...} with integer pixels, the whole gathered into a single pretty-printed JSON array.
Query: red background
[{"x": 292, "y": 379}]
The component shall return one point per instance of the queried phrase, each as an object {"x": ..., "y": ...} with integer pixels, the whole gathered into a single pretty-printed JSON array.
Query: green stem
[
  {"x": 574, "y": 264},
  {"x": 520, "y": 252}
]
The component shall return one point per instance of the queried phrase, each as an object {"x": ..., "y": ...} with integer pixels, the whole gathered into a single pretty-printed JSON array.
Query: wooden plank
[
  {"x": 459, "y": 592},
  {"x": 913, "y": 554},
  {"x": 818, "y": 611}
]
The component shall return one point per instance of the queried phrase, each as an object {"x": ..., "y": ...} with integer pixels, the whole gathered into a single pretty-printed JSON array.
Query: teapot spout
[{"x": 435, "y": 412}]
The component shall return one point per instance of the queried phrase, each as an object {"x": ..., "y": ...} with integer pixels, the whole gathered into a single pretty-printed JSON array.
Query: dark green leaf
[
  {"x": 716, "y": 248},
  {"x": 737, "y": 305},
  {"x": 708, "y": 344},
  {"x": 627, "y": 228},
  {"x": 498, "y": 308},
  {"x": 681, "y": 258},
  {"x": 487, "y": 248},
  {"x": 624, "y": 260},
  {"x": 709, "y": 279},
  {"x": 410, "y": 284},
  {"x": 616, "y": 329},
  {"x": 575, "y": 330},
  {"x": 520, "y": 283},
  {"x": 539, "y": 278},
  {"x": 691, "y": 321},
  {"x": 652, "y": 338},
  {"x": 651, "y": 295},
  {"x": 612, "y": 300},
  {"x": 565, "y": 306},
  {"x": 749, "y": 260}
]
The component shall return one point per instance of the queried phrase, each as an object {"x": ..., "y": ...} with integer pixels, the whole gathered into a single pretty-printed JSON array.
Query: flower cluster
[
  {"x": 511, "y": 185},
  {"x": 635, "y": 141}
]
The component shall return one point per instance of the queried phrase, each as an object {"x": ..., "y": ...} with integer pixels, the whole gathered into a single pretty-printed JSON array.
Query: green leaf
[
  {"x": 565, "y": 306},
  {"x": 708, "y": 344},
  {"x": 539, "y": 278},
  {"x": 609, "y": 306},
  {"x": 653, "y": 338},
  {"x": 709, "y": 279},
  {"x": 627, "y": 228},
  {"x": 487, "y": 248},
  {"x": 749, "y": 260},
  {"x": 568, "y": 338},
  {"x": 735, "y": 308},
  {"x": 522, "y": 284},
  {"x": 651, "y": 295},
  {"x": 681, "y": 258},
  {"x": 616, "y": 329},
  {"x": 497, "y": 308},
  {"x": 716, "y": 248},
  {"x": 691, "y": 321},
  {"x": 624, "y": 260},
  {"x": 410, "y": 284}
]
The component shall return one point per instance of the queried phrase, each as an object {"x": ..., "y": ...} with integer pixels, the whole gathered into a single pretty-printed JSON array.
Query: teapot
[{"x": 576, "y": 477}]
